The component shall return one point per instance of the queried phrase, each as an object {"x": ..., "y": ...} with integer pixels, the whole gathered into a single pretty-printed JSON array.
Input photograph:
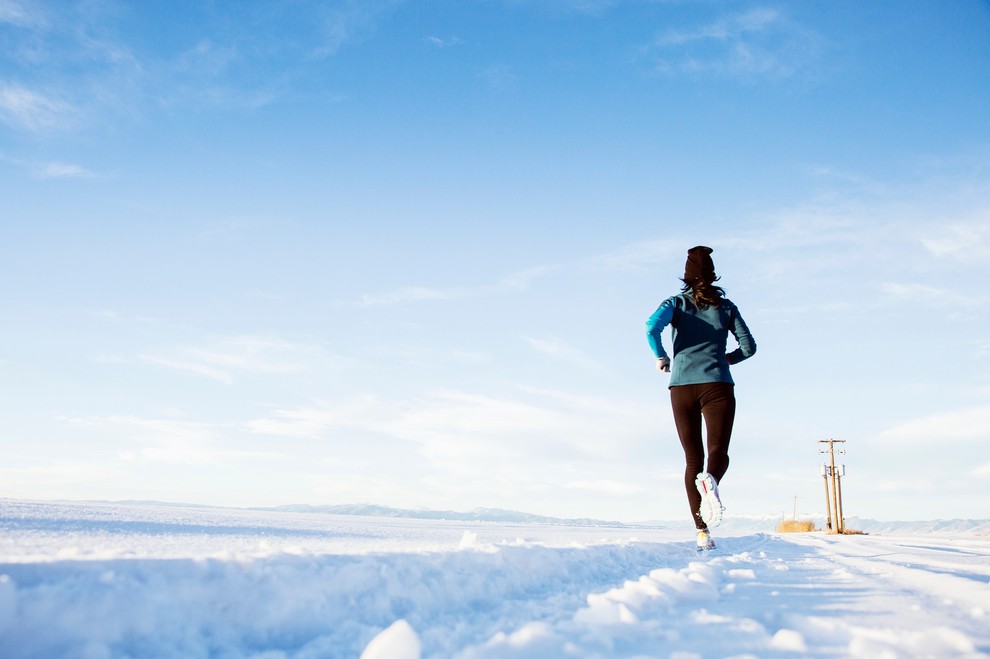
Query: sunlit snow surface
[{"x": 102, "y": 580}]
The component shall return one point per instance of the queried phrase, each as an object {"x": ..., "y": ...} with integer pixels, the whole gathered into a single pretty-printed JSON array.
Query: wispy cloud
[
  {"x": 968, "y": 242},
  {"x": 238, "y": 355},
  {"x": 78, "y": 65},
  {"x": 468, "y": 434},
  {"x": 53, "y": 169},
  {"x": 556, "y": 348},
  {"x": 349, "y": 22},
  {"x": 197, "y": 368},
  {"x": 521, "y": 280},
  {"x": 207, "y": 58},
  {"x": 63, "y": 170},
  {"x": 20, "y": 14},
  {"x": 443, "y": 42},
  {"x": 640, "y": 255},
  {"x": 156, "y": 440},
  {"x": 404, "y": 294},
  {"x": 759, "y": 42},
  {"x": 171, "y": 441},
  {"x": 611, "y": 488},
  {"x": 965, "y": 425},
  {"x": 517, "y": 281},
  {"x": 927, "y": 294},
  {"x": 321, "y": 420},
  {"x": 32, "y": 110},
  {"x": 500, "y": 77},
  {"x": 728, "y": 28}
]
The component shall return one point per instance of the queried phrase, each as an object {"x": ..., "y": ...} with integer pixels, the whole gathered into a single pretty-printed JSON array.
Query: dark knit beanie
[{"x": 699, "y": 266}]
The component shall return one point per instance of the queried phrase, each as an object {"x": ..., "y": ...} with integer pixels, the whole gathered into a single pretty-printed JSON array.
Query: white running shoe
[
  {"x": 711, "y": 504},
  {"x": 705, "y": 542}
]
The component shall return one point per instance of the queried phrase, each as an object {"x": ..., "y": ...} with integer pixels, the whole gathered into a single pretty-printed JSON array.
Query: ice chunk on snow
[
  {"x": 534, "y": 640},
  {"x": 468, "y": 540},
  {"x": 605, "y": 612},
  {"x": 399, "y": 641},
  {"x": 789, "y": 640},
  {"x": 931, "y": 642}
]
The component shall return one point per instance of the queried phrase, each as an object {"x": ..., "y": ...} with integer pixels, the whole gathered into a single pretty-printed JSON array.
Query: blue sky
[{"x": 402, "y": 252}]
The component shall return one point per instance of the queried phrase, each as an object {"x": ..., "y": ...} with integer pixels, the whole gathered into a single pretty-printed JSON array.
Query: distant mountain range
[
  {"x": 973, "y": 526},
  {"x": 765, "y": 523},
  {"x": 733, "y": 523},
  {"x": 476, "y": 515}
]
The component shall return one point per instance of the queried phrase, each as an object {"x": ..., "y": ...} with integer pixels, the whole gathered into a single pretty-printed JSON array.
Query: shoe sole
[{"x": 709, "y": 498}]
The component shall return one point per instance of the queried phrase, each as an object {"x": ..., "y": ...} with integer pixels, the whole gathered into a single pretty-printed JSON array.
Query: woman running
[{"x": 701, "y": 385}]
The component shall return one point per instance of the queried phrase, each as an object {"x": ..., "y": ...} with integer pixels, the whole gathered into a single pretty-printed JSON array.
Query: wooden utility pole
[
  {"x": 828, "y": 503},
  {"x": 833, "y": 495}
]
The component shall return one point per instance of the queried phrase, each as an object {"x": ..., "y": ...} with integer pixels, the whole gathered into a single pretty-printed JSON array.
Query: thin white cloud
[
  {"x": 253, "y": 353},
  {"x": 902, "y": 485},
  {"x": 31, "y": 110},
  {"x": 761, "y": 41},
  {"x": 611, "y": 488},
  {"x": 522, "y": 279},
  {"x": 404, "y": 294},
  {"x": 639, "y": 256},
  {"x": 241, "y": 354},
  {"x": 590, "y": 6},
  {"x": 475, "y": 436},
  {"x": 155, "y": 440},
  {"x": 517, "y": 281},
  {"x": 207, "y": 58},
  {"x": 322, "y": 420},
  {"x": 556, "y": 348},
  {"x": 53, "y": 169},
  {"x": 968, "y": 242},
  {"x": 966, "y": 425},
  {"x": 20, "y": 14},
  {"x": 927, "y": 294},
  {"x": 500, "y": 77},
  {"x": 727, "y": 28},
  {"x": 119, "y": 82},
  {"x": 63, "y": 170},
  {"x": 443, "y": 42},
  {"x": 169, "y": 441},
  {"x": 349, "y": 22},
  {"x": 192, "y": 367}
]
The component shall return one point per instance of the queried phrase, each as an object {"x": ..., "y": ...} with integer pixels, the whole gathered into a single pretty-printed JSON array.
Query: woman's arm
[
  {"x": 655, "y": 326},
  {"x": 747, "y": 344}
]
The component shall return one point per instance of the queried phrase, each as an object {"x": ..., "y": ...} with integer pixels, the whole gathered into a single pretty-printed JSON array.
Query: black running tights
[{"x": 715, "y": 402}]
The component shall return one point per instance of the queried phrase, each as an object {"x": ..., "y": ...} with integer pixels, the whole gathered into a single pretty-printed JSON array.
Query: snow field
[{"x": 96, "y": 581}]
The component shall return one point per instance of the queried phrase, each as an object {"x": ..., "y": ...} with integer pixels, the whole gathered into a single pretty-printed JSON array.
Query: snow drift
[{"x": 98, "y": 580}]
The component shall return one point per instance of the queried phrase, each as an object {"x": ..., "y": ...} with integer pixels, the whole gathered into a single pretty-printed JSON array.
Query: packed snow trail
[{"x": 137, "y": 582}]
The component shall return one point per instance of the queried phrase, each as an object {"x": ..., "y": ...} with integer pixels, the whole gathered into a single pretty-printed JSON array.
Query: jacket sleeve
[
  {"x": 747, "y": 344},
  {"x": 655, "y": 325}
]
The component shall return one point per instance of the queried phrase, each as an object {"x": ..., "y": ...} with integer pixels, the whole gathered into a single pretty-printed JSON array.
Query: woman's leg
[
  {"x": 718, "y": 406},
  {"x": 687, "y": 418}
]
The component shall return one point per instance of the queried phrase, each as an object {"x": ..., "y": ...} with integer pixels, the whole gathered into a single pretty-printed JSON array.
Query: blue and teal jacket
[{"x": 700, "y": 337}]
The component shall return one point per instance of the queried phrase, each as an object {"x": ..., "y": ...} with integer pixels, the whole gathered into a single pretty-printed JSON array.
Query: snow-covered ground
[{"x": 101, "y": 580}]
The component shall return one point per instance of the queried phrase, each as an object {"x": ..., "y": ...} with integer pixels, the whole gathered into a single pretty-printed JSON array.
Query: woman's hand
[{"x": 663, "y": 364}]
